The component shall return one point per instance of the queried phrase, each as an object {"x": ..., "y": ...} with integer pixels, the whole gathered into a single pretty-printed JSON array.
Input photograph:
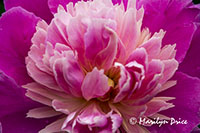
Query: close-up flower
[{"x": 100, "y": 66}]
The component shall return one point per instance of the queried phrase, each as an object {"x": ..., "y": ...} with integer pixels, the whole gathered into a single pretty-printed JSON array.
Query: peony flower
[{"x": 99, "y": 66}]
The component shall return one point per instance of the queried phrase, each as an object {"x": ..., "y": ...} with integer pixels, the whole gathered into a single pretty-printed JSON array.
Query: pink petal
[
  {"x": 53, "y": 127},
  {"x": 92, "y": 116},
  {"x": 157, "y": 105},
  {"x": 68, "y": 105},
  {"x": 100, "y": 42},
  {"x": 125, "y": 84},
  {"x": 42, "y": 112},
  {"x": 169, "y": 69},
  {"x": 140, "y": 56},
  {"x": 106, "y": 57},
  {"x": 98, "y": 87},
  {"x": 130, "y": 30},
  {"x": 153, "y": 45},
  {"x": 41, "y": 77},
  {"x": 73, "y": 75}
]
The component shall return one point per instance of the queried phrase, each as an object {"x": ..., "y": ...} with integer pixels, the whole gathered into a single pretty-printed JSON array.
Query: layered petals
[
  {"x": 53, "y": 4},
  {"x": 92, "y": 119},
  {"x": 171, "y": 16}
]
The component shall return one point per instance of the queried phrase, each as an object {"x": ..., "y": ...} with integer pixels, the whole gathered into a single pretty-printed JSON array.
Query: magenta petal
[
  {"x": 11, "y": 95},
  {"x": 13, "y": 110},
  {"x": 98, "y": 86},
  {"x": 187, "y": 94},
  {"x": 17, "y": 28},
  {"x": 191, "y": 63},
  {"x": 18, "y": 123},
  {"x": 38, "y": 7}
]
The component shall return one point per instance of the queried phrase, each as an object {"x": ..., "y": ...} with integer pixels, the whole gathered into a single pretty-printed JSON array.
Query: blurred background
[
  {"x": 2, "y": 6},
  {"x": 196, "y": 1}
]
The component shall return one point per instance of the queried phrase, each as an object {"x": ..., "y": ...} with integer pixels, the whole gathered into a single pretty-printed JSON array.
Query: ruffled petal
[
  {"x": 15, "y": 39},
  {"x": 38, "y": 7},
  {"x": 175, "y": 17},
  {"x": 53, "y": 4},
  {"x": 92, "y": 119}
]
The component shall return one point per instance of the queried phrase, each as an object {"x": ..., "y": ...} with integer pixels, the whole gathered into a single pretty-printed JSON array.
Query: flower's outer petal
[
  {"x": 187, "y": 94},
  {"x": 11, "y": 95},
  {"x": 98, "y": 86},
  {"x": 14, "y": 106},
  {"x": 191, "y": 63},
  {"x": 0, "y": 128},
  {"x": 18, "y": 123},
  {"x": 175, "y": 18},
  {"x": 38, "y": 7},
  {"x": 196, "y": 130},
  {"x": 17, "y": 27}
]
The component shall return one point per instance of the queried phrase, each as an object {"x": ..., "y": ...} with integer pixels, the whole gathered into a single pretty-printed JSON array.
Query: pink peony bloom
[{"x": 95, "y": 65}]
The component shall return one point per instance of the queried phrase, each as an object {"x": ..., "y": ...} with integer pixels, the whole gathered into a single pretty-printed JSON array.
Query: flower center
[
  {"x": 113, "y": 75},
  {"x": 111, "y": 83}
]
